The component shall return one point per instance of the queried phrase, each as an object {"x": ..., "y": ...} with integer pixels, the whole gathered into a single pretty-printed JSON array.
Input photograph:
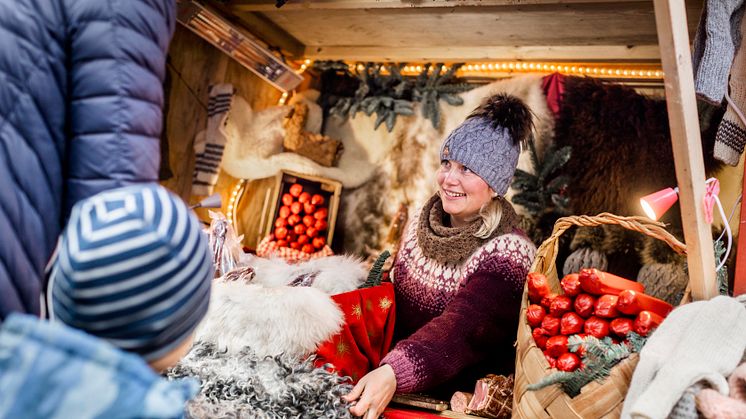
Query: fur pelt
[
  {"x": 406, "y": 173},
  {"x": 364, "y": 148},
  {"x": 244, "y": 385},
  {"x": 333, "y": 274},
  {"x": 621, "y": 147},
  {"x": 280, "y": 320},
  {"x": 621, "y": 150}
]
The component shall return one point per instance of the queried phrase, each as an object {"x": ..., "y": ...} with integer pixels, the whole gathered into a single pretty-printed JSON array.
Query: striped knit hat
[{"x": 133, "y": 268}]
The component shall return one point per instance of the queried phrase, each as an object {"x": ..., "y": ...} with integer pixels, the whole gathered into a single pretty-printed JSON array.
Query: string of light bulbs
[{"x": 238, "y": 190}]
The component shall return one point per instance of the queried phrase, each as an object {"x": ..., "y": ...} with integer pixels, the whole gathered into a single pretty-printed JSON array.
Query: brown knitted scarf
[{"x": 454, "y": 244}]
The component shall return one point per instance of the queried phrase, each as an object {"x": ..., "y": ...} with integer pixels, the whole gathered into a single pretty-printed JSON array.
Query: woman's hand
[{"x": 373, "y": 392}]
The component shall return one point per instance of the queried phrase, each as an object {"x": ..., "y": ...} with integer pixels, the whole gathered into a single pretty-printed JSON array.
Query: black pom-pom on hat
[{"x": 508, "y": 111}]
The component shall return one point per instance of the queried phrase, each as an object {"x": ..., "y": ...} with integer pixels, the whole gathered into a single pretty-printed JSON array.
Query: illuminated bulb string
[
  {"x": 301, "y": 70},
  {"x": 233, "y": 201},
  {"x": 576, "y": 69}
]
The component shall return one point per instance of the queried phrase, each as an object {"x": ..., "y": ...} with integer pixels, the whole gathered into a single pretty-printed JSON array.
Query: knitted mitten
[
  {"x": 209, "y": 152},
  {"x": 703, "y": 340},
  {"x": 717, "y": 39},
  {"x": 686, "y": 407},
  {"x": 731, "y": 135},
  {"x": 714, "y": 405},
  {"x": 666, "y": 281},
  {"x": 586, "y": 254},
  {"x": 585, "y": 257}
]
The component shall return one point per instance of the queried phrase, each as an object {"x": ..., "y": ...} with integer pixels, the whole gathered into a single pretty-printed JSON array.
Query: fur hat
[
  {"x": 134, "y": 268},
  {"x": 490, "y": 140}
]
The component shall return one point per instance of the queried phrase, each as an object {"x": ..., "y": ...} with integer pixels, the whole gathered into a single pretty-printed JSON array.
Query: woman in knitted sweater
[{"x": 460, "y": 270}]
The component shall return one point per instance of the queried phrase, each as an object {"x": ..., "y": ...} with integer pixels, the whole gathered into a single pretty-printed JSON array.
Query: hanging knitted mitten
[
  {"x": 715, "y": 43},
  {"x": 731, "y": 135},
  {"x": 209, "y": 152}
]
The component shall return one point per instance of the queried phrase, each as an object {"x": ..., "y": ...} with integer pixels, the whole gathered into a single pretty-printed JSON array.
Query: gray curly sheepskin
[{"x": 244, "y": 386}]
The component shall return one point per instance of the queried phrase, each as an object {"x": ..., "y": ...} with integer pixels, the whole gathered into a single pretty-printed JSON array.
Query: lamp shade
[
  {"x": 656, "y": 204},
  {"x": 212, "y": 201}
]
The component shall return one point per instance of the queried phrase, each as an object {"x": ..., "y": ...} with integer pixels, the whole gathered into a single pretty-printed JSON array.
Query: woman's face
[{"x": 462, "y": 191}]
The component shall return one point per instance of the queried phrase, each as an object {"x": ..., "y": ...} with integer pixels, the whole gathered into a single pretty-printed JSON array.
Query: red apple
[
  {"x": 321, "y": 214},
  {"x": 281, "y": 222},
  {"x": 296, "y": 189},
  {"x": 296, "y": 207},
  {"x": 320, "y": 225},
  {"x": 308, "y": 220},
  {"x": 282, "y": 243},
  {"x": 311, "y": 231},
  {"x": 319, "y": 242},
  {"x": 299, "y": 229},
  {"x": 293, "y": 219},
  {"x": 304, "y": 197},
  {"x": 287, "y": 199},
  {"x": 307, "y": 248},
  {"x": 317, "y": 199},
  {"x": 295, "y": 245},
  {"x": 309, "y": 208},
  {"x": 303, "y": 239},
  {"x": 281, "y": 233},
  {"x": 284, "y": 211}
]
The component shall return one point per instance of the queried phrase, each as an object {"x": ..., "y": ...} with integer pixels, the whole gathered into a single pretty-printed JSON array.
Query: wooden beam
[
  {"x": 269, "y": 5},
  {"x": 272, "y": 34},
  {"x": 670, "y": 16},
  {"x": 265, "y": 30},
  {"x": 587, "y": 53},
  {"x": 739, "y": 280}
]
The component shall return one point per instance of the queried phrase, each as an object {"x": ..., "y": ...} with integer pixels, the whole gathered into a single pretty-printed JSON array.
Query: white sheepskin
[
  {"x": 291, "y": 321},
  {"x": 364, "y": 148},
  {"x": 335, "y": 274}
]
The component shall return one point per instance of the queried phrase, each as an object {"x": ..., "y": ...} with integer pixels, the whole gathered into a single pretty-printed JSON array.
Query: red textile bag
[{"x": 367, "y": 334}]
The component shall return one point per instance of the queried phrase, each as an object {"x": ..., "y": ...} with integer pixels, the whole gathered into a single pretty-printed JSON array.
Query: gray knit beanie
[{"x": 490, "y": 140}]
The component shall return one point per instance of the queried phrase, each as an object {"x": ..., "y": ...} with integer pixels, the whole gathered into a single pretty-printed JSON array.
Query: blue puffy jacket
[
  {"x": 80, "y": 111},
  {"x": 53, "y": 371}
]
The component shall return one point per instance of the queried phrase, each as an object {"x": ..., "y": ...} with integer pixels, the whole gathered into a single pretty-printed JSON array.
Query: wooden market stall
[{"x": 640, "y": 43}]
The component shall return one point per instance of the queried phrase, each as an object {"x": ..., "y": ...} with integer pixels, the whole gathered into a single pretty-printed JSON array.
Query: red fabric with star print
[{"x": 366, "y": 336}]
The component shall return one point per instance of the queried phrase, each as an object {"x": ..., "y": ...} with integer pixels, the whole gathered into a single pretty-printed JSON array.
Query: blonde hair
[{"x": 491, "y": 213}]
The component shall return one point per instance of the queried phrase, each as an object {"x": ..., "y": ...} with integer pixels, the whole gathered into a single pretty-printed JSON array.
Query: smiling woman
[{"x": 460, "y": 270}]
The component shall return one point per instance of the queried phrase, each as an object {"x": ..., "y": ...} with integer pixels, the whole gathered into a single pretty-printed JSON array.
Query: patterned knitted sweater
[{"x": 455, "y": 315}]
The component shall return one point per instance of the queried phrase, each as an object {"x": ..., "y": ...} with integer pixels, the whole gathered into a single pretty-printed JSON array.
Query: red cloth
[
  {"x": 367, "y": 333},
  {"x": 397, "y": 413},
  {"x": 267, "y": 248},
  {"x": 554, "y": 87}
]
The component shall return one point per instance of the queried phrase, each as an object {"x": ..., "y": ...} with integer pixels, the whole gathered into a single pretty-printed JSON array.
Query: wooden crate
[{"x": 330, "y": 189}]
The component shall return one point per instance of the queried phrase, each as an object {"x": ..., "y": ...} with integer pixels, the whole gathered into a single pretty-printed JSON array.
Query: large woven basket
[{"x": 596, "y": 399}]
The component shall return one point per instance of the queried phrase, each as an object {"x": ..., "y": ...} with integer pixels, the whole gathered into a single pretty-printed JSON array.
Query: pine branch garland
[
  {"x": 542, "y": 192},
  {"x": 722, "y": 274},
  {"x": 376, "y": 272},
  {"x": 599, "y": 359}
]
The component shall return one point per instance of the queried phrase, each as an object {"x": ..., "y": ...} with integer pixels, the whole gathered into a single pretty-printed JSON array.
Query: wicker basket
[{"x": 596, "y": 399}]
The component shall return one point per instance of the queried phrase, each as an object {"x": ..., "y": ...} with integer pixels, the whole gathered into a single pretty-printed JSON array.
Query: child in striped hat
[{"x": 132, "y": 274}]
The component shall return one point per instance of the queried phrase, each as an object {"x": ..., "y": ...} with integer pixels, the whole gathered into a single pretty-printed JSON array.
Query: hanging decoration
[
  {"x": 543, "y": 192},
  {"x": 384, "y": 91}
]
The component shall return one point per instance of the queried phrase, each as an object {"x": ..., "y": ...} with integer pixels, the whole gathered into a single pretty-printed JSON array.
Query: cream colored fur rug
[{"x": 273, "y": 318}]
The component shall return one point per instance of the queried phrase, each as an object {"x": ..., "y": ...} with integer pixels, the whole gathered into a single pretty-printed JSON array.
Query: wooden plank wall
[{"x": 193, "y": 66}]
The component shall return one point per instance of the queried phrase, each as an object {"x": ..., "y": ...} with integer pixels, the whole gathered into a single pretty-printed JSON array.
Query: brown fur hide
[{"x": 621, "y": 151}]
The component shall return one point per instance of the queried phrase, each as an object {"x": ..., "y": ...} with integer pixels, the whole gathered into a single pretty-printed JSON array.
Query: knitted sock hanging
[
  {"x": 731, "y": 135},
  {"x": 209, "y": 148}
]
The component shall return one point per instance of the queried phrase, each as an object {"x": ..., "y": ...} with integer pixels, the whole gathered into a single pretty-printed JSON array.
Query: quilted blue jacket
[
  {"x": 80, "y": 111},
  {"x": 53, "y": 371}
]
